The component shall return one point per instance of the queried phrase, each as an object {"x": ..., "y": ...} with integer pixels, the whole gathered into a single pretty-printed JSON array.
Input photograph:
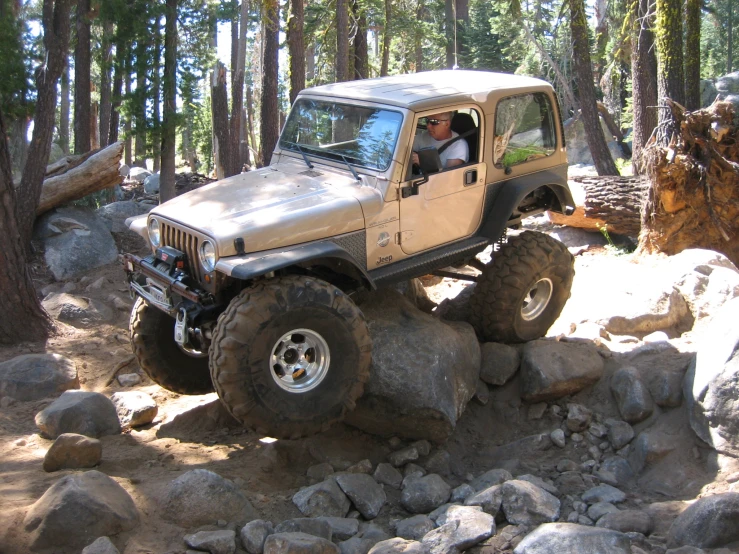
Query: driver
[{"x": 438, "y": 131}]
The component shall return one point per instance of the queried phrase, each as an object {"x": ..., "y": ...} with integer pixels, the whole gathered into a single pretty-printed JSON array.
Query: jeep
[{"x": 250, "y": 283}]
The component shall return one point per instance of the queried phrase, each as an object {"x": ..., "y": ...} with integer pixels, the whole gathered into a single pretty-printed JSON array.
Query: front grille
[{"x": 186, "y": 242}]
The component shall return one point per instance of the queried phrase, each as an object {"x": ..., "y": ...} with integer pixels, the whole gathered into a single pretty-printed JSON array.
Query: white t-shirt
[{"x": 457, "y": 151}]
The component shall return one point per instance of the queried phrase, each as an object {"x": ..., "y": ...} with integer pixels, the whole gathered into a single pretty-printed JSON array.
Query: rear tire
[
  {"x": 523, "y": 289},
  {"x": 290, "y": 356},
  {"x": 152, "y": 339}
]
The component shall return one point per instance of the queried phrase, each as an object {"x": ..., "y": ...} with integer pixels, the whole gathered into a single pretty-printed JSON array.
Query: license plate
[{"x": 160, "y": 295}]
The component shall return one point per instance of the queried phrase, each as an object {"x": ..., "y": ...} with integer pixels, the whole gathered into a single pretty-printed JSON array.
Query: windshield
[{"x": 362, "y": 136}]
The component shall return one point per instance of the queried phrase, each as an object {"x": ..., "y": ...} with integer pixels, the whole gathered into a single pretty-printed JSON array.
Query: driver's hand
[{"x": 414, "y": 158}]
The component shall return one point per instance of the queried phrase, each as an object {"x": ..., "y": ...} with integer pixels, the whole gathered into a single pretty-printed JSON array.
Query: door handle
[{"x": 470, "y": 177}]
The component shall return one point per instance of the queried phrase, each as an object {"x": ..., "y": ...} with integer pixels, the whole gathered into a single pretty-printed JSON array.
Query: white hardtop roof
[{"x": 427, "y": 89}]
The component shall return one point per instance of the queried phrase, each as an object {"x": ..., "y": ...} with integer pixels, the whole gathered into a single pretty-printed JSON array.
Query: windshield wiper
[
  {"x": 302, "y": 152},
  {"x": 350, "y": 167}
]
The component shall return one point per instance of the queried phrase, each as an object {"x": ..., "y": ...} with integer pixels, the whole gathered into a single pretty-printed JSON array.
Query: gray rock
[
  {"x": 537, "y": 411},
  {"x": 489, "y": 499},
  {"x": 558, "y": 437},
  {"x": 441, "y": 540},
  {"x": 342, "y": 528},
  {"x": 116, "y": 213},
  {"x": 399, "y": 546},
  {"x": 499, "y": 362},
  {"x": 363, "y": 466},
  {"x": 584, "y": 520},
  {"x": 201, "y": 497},
  {"x": 423, "y": 446},
  {"x": 124, "y": 170},
  {"x": 319, "y": 472},
  {"x": 557, "y": 538},
  {"x": 565, "y": 465},
  {"x": 401, "y": 402},
  {"x": 570, "y": 482},
  {"x": 620, "y": 433},
  {"x": 651, "y": 308},
  {"x": 77, "y": 509},
  {"x": 414, "y": 528},
  {"x": 686, "y": 550},
  {"x": 712, "y": 383},
  {"x": 482, "y": 393},
  {"x": 322, "y": 499},
  {"x": 425, "y": 494},
  {"x": 85, "y": 413},
  {"x": 71, "y": 451},
  {"x": 129, "y": 379},
  {"x": 578, "y": 418},
  {"x": 539, "y": 482},
  {"x": 388, "y": 475},
  {"x": 615, "y": 470},
  {"x": 413, "y": 469},
  {"x": 649, "y": 447},
  {"x": 78, "y": 311},
  {"x": 134, "y": 408},
  {"x": 215, "y": 542},
  {"x": 632, "y": 397},
  {"x": 599, "y": 509},
  {"x": 710, "y": 522},
  {"x": 298, "y": 543},
  {"x": 461, "y": 493},
  {"x": 401, "y": 457},
  {"x": 496, "y": 476},
  {"x": 578, "y": 151},
  {"x": 627, "y": 521},
  {"x": 138, "y": 174},
  {"x": 474, "y": 525},
  {"x": 253, "y": 535},
  {"x": 102, "y": 545},
  {"x": 526, "y": 504},
  {"x": 37, "y": 376},
  {"x": 604, "y": 493},
  {"x": 364, "y": 540},
  {"x": 551, "y": 369},
  {"x": 75, "y": 240},
  {"x": 151, "y": 184},
  {"x": 438, "y": 462},
  {"x": 366, "y": 494},
  {"x": 318, "y": 527}
]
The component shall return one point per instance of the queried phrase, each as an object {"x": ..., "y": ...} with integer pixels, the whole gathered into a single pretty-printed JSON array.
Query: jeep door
[{"x": 449, "y": 206}]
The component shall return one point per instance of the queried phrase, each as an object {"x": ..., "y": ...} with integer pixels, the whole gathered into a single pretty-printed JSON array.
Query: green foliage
[{"x": 15, "y": 82}]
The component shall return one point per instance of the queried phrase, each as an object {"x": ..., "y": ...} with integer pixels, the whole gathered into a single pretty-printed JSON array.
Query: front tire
[
  {"x": 170, "y": 367},
  {"x": 523, "y": 289},
  {"x": 290, "y": 356}
]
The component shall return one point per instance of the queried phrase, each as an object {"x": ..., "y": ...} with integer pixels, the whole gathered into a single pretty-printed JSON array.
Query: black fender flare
[
  {"x": 506, "y": 196},
  {"x": 251, "y": 266}
]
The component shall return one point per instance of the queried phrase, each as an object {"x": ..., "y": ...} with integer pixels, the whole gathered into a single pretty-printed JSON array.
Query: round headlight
[
  {"x": 154, "y": 235},
  {"x": 208, "y": 255}
]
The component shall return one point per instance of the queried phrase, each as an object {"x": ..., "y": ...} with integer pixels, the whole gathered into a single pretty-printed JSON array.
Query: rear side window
[{"x": 524, "y": 129}]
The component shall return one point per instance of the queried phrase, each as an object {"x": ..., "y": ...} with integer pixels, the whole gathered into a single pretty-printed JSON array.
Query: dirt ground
[{"x": 194, "y": 432}]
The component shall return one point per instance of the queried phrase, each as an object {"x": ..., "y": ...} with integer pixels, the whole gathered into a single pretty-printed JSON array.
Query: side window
[{"x": 524, "y": 129}]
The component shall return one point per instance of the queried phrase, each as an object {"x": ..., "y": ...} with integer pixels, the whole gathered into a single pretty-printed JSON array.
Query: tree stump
[{"x": 693, "y": 201}]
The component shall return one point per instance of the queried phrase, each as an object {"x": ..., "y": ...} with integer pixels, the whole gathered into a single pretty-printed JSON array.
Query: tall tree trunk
[
  {"x": 139, "y": 101},
  {"x": 270, "y": 109},
  {"x": 169, "y": 89},
  {"x": 156, "y": 85},
  {"x": 127, "y": 125},
  {"x": 462, "y": 19},
  {"x": 94, "y": 124},
  {"x": 421, "y": 13},
  {"x": 115, "y": 117},
  {"x": 250, "y": 119},
  {"x": 386, "y": 39},
  {"x": 237, "y": 93},
  {"x": 342, "y": 41},
  {"x": 670, "y": 80},
  {"x": 644, "y": 80},
  {"x": 601, "y": 37},
  {"x": 583, "y": 71},
  {"x": 219, "y": 118},
  {"x": 82, "y": 141},
  {"x": 730, "y": 37},
  {"x": 693, "y": 54},
  {"x": 105, "y": 95},
  {"x": 450, "y": 31},
  {"x": 310, "y": 62},
  {"x": 296, "y": 48},
  {"x": 64, "y": 112},
  {"x": 361, "y": 55}
]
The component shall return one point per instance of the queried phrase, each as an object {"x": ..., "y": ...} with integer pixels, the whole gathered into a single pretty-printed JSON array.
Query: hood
[{"x": 272, "y": 207}]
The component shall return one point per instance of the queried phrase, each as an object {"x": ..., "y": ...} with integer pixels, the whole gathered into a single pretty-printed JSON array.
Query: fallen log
[
  {"x": 609, "y": 201},
  {"x": 66, "y": 163},
  {"x": 693, "y": 200},
  {"x": 97, "y": 172}
]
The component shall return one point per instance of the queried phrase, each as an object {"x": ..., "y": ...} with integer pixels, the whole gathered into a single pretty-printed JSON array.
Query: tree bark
[
  {"x": 361, "y": 54},
  {"x": 386, "y": 39},
  {"x": 296, "y": 48},
  {"x": 64, "y": 112},
  {"x": 115, "y": 117},
  {"x": 105, "y": 93},
  {"x": 693, "y": 54},
  {"x": 139, "y": 101},
  {"x": 461, "y": 19},
  {"x": 250, "y": 121},
  {"x": 169, "y": 89},
  {"x": 127, "y": 125},
  {"x": 342, "y": 41},
  {"x": 449, "y": 31},
  {"x": 156, "y": 85},
  {"x": 237, "y": 94},
  {"x": 82, "y": 138},
  {"x": 219, "y": 117},
  {"x": 583, "y": 71},
  {"x": 270, "y": 109},
  {"x": 670, "y": 76},
  {"x": 644, "y": 81}
]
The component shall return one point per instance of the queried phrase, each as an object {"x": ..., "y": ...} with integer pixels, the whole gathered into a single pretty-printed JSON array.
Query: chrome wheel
[
  {"x": 537, "y": 299},
  {"x": 300, "y": 360}
]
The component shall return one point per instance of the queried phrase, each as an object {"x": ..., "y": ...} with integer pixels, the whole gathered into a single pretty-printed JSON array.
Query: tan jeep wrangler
[{"x": 248, "y": 287}]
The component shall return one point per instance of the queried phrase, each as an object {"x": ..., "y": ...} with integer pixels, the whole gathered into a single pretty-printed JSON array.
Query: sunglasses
[{"x": 435, "y": 121}]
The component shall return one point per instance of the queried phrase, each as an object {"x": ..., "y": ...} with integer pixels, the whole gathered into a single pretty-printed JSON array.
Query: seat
[{"x": 461, "y": 123}]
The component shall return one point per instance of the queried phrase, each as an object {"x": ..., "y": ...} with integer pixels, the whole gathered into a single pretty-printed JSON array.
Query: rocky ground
[{"x": 583, "y": 442}]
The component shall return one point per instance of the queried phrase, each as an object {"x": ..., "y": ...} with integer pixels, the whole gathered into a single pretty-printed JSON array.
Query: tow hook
[{"x": 180, "y": 328}]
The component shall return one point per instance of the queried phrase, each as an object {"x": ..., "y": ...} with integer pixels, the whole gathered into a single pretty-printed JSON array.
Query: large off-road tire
[
  {"x": 523, "y": 289},
  {"x": 152, "y": 338},
  {"x": 283, "y": 328}
]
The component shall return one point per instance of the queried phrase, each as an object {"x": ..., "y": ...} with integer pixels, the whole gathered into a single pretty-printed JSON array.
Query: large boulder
[
  {"x": 578, "y": 151},
  {"x": 710, "y": 522},
  {"x": 78, "y": 509},
  {"x": 711, "y": 385},
  {"x": 151, "y": 184},
  {"x": 424, "y": 371},
  {"x": 135, "y": 408},
  {"x": 325, "y": 499},
  {"x": 116, "y": 213},
  {"x": 526, "y": 504},
  {"x": 727, "y": 88},
  {"x": 552, "y": 369},
  {"x": 73, "y": 451},
  {"x": 78, "y": 311},
  {"x": 138, "y": 174},
  {"x": 86, "y": 413},
  {"x": 36, "y": 376},
  {"x": 557, "y": 538},
  {"x": 76, "y": 240},
  {"x": 201, "y": 497}
]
